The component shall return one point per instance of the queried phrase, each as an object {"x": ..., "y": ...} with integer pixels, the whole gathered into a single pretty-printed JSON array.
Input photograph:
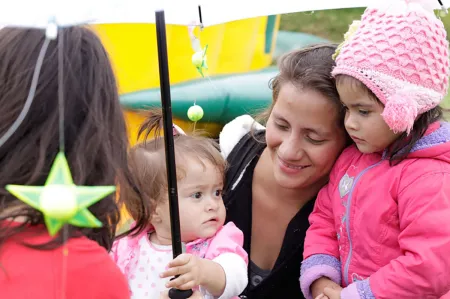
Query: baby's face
[{"x": 202, "y": 211}]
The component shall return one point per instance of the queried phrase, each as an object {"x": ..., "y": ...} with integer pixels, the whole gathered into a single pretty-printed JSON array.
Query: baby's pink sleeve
[
  {"x": 229, "y": 239},
  {"x": 226, "y": 250}
]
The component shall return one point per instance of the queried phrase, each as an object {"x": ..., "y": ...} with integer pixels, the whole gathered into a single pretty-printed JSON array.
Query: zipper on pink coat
[{"x": 347, "y": 220}]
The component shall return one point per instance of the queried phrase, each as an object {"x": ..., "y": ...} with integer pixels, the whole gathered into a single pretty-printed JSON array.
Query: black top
[{"x": 283, "y": 280}]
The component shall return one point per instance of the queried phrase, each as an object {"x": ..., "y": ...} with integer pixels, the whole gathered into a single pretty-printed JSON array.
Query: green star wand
[{"x": 60, "y": 200}]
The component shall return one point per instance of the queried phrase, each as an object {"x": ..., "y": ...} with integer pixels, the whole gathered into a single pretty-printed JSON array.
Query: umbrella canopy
[{"x": 186, "y": 12}]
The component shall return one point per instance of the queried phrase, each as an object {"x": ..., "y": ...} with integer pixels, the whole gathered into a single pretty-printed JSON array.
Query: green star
[{"x": 60, "y": 200}]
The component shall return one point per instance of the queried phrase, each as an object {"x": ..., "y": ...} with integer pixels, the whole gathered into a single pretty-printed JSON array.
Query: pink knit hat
[{"x": 400, "y": 52}]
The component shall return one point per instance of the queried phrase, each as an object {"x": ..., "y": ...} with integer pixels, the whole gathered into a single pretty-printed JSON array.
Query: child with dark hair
[
  {"x": 214, "y": 260},
  {"x": 31, "y": 261},
  {"x": 381, "y": 223}
]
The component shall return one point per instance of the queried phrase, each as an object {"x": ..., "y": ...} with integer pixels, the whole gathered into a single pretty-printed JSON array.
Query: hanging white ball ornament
[{"x": 195, "y": 113}]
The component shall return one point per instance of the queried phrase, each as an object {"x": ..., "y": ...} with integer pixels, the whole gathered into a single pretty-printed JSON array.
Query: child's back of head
[{"x": 94, "y": 131}]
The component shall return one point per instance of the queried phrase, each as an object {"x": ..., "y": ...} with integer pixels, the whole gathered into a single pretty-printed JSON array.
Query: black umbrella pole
[{"x": 169, "y": 144}]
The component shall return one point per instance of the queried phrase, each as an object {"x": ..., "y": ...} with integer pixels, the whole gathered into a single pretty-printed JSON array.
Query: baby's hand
[{"x": 189, "y": 269}]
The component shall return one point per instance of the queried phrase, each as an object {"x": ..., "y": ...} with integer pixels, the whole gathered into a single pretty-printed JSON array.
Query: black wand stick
[{"x": 169, "y": 145}]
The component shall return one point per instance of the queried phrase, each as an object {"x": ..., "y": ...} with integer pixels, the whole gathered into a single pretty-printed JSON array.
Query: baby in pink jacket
[
  {"x": 381, "y": 227},
  {"x": 215, "y": 261}
]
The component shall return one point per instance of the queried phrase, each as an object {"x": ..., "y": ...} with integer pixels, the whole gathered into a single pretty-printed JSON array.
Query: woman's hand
[{"x": 195, "y": 295}]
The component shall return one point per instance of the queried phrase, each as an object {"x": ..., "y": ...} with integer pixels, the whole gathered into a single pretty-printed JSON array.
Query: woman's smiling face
[{"x": 303, "y": 137}]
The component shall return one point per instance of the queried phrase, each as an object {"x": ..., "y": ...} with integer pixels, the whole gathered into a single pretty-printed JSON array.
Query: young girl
[
  {"x": 214, "y": 258},
  {"x": 382, "y": 222},
  {"x": 31, "y": 261}
]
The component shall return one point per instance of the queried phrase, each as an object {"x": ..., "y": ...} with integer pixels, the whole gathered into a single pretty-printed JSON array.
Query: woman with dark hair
[
  {"x": 276, "y": 172},
  {"x": 31, "y": 260}
]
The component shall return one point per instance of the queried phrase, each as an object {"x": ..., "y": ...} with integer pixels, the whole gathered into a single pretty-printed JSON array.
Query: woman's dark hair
[
  {"x": 401, "y": 147},
  {"x": 308, "y": 69},
  {"x": 146, "y": 184},
  {"x": 95, "y": 131}
]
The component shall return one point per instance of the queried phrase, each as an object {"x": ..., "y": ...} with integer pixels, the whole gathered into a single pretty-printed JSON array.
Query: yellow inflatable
[{"x": 235, "y": 47}]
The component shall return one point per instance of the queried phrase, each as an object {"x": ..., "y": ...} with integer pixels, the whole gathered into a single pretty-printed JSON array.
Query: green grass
[
  {"x": 332, "y": 24},
  {"x": 329, "y": 24}
]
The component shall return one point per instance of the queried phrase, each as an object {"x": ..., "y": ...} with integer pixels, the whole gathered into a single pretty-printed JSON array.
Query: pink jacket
[{"x": 385, "y": 230}]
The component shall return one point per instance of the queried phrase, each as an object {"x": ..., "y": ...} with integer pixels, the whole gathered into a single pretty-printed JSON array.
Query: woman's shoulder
[
  {"x": 235, "y": 131},
  {"x": 241, "y": 141}
]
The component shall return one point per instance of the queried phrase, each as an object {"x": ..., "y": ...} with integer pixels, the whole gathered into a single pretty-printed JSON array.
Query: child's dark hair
[
  {"x": 147, "y": 167},
  {"x": 95, "y": 131},
  {"x": 401, "y": 147},
  {"x": 308, "y": 68}
]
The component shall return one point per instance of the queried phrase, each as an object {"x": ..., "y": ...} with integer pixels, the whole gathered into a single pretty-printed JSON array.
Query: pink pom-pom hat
[{"x": 400, "y": 52}]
